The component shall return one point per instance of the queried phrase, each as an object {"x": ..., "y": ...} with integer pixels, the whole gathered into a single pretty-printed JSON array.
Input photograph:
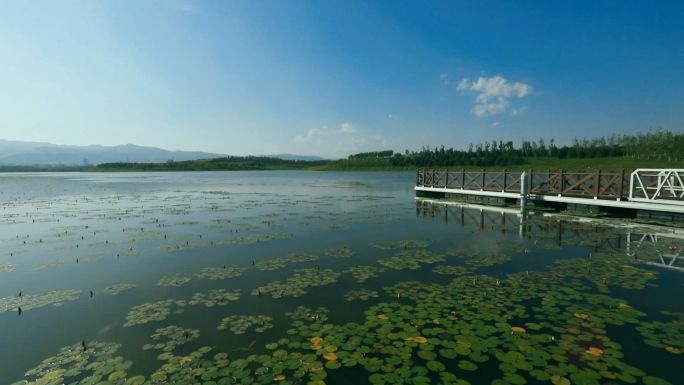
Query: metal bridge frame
[{"x": 663, "y": 186}]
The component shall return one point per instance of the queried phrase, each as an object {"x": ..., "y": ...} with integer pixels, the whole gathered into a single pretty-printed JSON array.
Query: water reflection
[
  {"x": 665, "y": 245},
  {"x": 654, "y": 247}
]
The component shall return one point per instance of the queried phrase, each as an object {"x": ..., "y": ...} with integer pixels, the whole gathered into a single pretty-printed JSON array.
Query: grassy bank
[
  {"x": 364, "y": 164},
  {"x": 576, "y": 164}
]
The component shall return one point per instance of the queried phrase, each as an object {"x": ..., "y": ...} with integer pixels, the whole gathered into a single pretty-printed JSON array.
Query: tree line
[
  {"x": 217, "y": 164},
  {"x": 654, "y": 144}
]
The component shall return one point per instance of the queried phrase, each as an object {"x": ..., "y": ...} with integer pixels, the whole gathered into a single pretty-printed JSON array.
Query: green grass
[
  {"x": 540, "y": 164},
  {"x": 604, "y": 164},
  {"x": 369, "y": 164}
]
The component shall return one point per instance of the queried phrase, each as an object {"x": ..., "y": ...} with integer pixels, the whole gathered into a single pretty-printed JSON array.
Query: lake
[{"x": 319, "y": 278}]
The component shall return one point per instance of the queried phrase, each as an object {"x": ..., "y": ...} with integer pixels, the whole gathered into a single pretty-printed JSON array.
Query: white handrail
[{"x": 669, "y": 179}]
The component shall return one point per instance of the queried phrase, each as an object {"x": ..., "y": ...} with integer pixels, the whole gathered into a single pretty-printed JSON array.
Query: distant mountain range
[{"x": 42, "y": 153}]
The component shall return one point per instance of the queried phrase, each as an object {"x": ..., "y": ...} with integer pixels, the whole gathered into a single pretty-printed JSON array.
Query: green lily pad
[{"x": 650, "y": 380}]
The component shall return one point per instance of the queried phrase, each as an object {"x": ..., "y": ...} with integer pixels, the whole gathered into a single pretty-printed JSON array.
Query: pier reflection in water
[{"x": 654, "y": 246}]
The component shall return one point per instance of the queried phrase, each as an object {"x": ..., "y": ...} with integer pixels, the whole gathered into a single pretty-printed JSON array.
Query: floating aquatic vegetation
[
  {"x": 225, "y": 272},
  {"x": 49, "y": 264},
  {"x": 546, "y": 246},
  {"x": 546, "y": 325},
  {"x": 247, "y": 227},
  {"x": 7, "y": 267},
  {"x": 410, "y": 259},
  {"x": 515, "y": 246},
  {"x": 457, "y": 252},
  {"x": 101, "y": 244},
  {"x": 400, "y": 245},
  {"x": 255, "y": 238},
  {"x": 352, "y": 219},
  {"x": 87, "y": 362},
  {"x": 218, "y": 297},
  {"x": 295, "y": 286},
  {"x": 362, "y": 294},
  {"x": 362, "y": 273},
  {"x": 239, "y": 324},
  {"x": 479, "y": 260},
  {"x": 142, "y": 237},
  {"x": 330, "y": 228},
  {"x": 190, "y": 223},
  {"x": 167, "y": 338},
  {"x": 33, "y": 301},
  {"x": 271, "y": 264},
  {"x": 183, "y": 237},
  {"x": 130, "y": 252},
  {"x": 399, "y": 263},
  {"x": 604, "y": 271},
  {"x": 275, "y": 224},
  {"x": 149, "y": 311},
  {"x": 116, "y": 289},
  {"x": 173, "y": 280},
  {"x": 664, "y": 335},
  {"x": 235, "y": 240},
  {"x": 185, "y": 246},
  {"x": 307, "y": 314},
  {"x": 343, "y": 252},
  {"x": 301, "y": 258},
  {"x": 451, "y": 270},
  {"x": 90, "y": 257},
  {"x": 413, "y": 290}
]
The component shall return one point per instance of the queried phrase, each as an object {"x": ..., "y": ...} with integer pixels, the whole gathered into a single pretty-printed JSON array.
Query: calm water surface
[{"x": 315, "y": 278}]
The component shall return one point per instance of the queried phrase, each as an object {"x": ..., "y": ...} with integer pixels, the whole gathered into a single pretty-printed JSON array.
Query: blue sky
[{"x": 331, "y": 78}]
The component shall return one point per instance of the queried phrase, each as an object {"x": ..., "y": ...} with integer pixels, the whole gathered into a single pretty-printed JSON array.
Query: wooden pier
[{"x": 650, "y": 193}]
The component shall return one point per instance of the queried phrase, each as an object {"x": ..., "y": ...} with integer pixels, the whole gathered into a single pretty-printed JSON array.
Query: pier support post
[{"x": 523, "y": 191}]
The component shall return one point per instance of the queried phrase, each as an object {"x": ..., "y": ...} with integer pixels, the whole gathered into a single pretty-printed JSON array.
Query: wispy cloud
[
  {"x": 495, "y": 124},
  {"x": 492, "y": 94},
  {"x": 348, "y": 128},
  {"x": 337, "y": 142},
  {"x": 519, "y": 110},
  {"x": 444, "y": 78},
  {"x": 309, "y": 135},
  {"x": 381, "y": 140}
]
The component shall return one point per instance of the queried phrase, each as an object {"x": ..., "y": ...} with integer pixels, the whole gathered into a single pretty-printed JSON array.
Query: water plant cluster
[{"x": 327, "y": 309}]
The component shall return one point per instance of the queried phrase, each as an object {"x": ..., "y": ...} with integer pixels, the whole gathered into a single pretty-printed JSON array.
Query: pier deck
[{"x": 648, "y": 191}]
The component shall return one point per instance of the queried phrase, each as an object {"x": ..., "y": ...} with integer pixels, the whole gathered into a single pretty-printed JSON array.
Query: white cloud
[
  {"x": 490, "y": 107},
  {"x": 493, "y": 94},
  {"x": 519, "y": 110},
  {"x": 330, "y": 142},
  {"x": 380, "y": 139},
  {"x": 444, "y": 78},
  {"x": 495, "y": 124},
  {"x": 310, "y": 134},
  {"x": 390, "y": 116},
  {"x": 348, "y": 128}
]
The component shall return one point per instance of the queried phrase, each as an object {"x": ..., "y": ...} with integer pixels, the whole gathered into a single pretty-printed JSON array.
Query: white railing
[
  {"x": 667, "y": 260},
  {"x": 662, "y": 185}
]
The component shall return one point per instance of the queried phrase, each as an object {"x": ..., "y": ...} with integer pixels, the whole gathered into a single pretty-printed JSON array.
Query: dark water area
[{"x": 322, "y": 278}]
